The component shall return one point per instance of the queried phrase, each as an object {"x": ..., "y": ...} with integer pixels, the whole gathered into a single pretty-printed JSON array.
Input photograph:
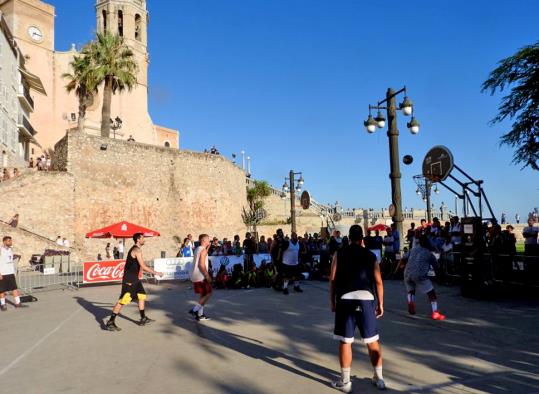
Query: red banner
[{"x": 103, "y": 271}]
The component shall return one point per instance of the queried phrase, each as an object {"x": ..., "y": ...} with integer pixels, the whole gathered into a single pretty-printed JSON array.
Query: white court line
[{"x": 36, "y": 345}]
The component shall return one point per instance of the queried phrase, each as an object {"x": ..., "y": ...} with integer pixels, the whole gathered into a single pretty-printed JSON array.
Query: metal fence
[
  {"x": 497, "y": 268},
  {"x": 41, "y": 277}
]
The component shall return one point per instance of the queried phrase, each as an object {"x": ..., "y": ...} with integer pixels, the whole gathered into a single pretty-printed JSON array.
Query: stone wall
[
  {"x": 26, "y": 243},
  {"x": 174, "y": 192},
  {"x": 43, "y": 200}
]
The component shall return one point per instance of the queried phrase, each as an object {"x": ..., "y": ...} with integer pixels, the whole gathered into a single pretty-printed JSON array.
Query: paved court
[{"x": 259, "y": 342}]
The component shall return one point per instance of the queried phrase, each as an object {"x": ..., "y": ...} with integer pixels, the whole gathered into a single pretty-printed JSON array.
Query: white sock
[
  {"x": 200, "y": 312},
  {"x": 378, "y": 373},
  {"x": 345, "y": 374},
  {"x": 285, "y": 284},
  {"x": 411, "y": 298},
  {"x": 296, "y": 283},
  {"x": 196, "y": 308},
  {"x": 434, "y": 305},
  {"x": 3, "y": 301},
  {"x": 17, "y": 300}
]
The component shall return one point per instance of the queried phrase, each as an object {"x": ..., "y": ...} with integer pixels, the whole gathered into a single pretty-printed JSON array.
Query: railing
[
  {"x": 25, "y": 92},
  {"x": 491, "y": 268},
  {"x": 24, "y": 122},
  {"x": 43, "y": 277}
]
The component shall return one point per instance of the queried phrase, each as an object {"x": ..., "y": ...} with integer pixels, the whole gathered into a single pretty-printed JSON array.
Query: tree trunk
[
  {"x": 105, "y": 113},
  {"x": 82, "y": 114}
]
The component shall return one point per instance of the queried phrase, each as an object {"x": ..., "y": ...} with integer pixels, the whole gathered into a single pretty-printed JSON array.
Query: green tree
[
  {"x": 115, "y": 66},
  {"x": 520, "y": 72},
  {"x": 82, "y": 81},
  {"x": 254, "y": 213}
]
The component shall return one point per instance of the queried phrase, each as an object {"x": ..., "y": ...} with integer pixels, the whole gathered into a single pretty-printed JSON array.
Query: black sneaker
[
  {"x": 145, "y": 321},
  {"x": 297, "y": 289},
  {"x": 192, "y": 312},
  {"x": 3, "y": 308},
  {"x": 202, "y": 317},
  {"x": 285, "y": 291},
  {"x": 111, "y": 326}
]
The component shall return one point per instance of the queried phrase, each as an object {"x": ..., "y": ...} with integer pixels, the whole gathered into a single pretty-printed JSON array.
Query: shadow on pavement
[{"x": 99, "y": 312}]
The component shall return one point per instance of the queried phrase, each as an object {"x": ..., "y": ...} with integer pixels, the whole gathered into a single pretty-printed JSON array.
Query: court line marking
[{"x": 37, "y": 344}]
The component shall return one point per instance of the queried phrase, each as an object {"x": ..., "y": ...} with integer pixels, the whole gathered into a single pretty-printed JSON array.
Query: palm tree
[
  {"x": 82, "y": 81},
  {"x": 114, "y": 65},
  {"x": 256, "y": 195}
]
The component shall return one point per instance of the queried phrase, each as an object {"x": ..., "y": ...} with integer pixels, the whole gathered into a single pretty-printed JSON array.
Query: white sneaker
[
  {"x": 344, "y": 387},
  {"x": 379, "y": 383}
]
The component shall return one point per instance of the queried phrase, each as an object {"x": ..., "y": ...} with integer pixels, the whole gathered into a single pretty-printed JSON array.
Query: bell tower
[{"x": 127, "y": 18}]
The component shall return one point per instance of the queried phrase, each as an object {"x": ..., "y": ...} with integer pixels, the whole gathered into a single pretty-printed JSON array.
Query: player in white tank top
[
  {"x": 290, "y": 268},
  {"x": 201, "y": 278}
]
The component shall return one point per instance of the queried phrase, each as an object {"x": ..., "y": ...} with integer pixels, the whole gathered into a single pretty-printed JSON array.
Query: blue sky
[{"x": 289, "y": 81}]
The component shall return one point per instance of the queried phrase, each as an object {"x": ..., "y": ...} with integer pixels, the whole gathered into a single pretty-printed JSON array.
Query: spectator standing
[
  {"x": 59, "y": 241},
  {"x": 504, "y": 218},
  {"x": 107, "y": 251},
  {"x": 530, "y": 238},
  {"x": 185, "y": 249},
  {"x": 65, "y": 243},
  {"x": 263, "y": 246},
  {"x": 396, "y": 238},
  {"x": 410, "y": 235},
  {"x": 120, "y": 249},
  {"x": 517, "y": 218},
  {"x": 14, "y": 222},
  {"x": 455, "y": 231}
]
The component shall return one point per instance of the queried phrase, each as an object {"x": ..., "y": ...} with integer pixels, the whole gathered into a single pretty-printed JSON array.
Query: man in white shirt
[
  {"x": 530, "y": 234},
  {"x": 290, "y": 266},
  {"x": 59, "y": 241},
  {"x": 66, "y": 243},
  {"x": 455, "y": 231},
  {"x": 7, "y": 275},
  {"x": 121, "y": 249}
]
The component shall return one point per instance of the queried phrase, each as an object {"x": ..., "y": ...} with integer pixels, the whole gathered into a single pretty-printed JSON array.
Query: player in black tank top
[
  {"x": 132, "y": 268},
  {"x": 132, "y": 289}
]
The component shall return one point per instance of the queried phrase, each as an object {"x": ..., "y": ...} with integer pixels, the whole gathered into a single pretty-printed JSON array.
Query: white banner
[
  {"x": 228, "y": 261},
  {"x": 174, "y": 269},
  {"x": 259, "y": 258},
  {"x": 179, "y": 268}
]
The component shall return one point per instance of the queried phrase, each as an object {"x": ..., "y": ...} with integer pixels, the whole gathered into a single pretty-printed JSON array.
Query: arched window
[
  {"x": 104, "y": 20},
  {"x": 167, "y": 144},
  {"x": 121, "y": 23},
  {"x": 138, "y": 32}
]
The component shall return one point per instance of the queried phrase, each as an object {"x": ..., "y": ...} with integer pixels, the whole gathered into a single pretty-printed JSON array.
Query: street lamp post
[
  {"x": 243, "y": 160},
  {"x": 393, "y": 135},
  {"x": 424, "y": 189},
  {"x": 290, "y": 185}
]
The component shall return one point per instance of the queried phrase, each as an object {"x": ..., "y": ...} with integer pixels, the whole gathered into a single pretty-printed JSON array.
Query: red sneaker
[
  {"x": 411, "y": 308},
  {"x": 437, "y": 316}
]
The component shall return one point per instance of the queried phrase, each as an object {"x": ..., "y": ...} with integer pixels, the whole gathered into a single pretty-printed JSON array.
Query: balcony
[
  {"x": 24, "y": 125},
  {"x": 24, "y": 97}
]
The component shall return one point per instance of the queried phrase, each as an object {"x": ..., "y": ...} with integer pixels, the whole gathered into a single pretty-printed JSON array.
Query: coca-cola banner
[{"x": 103, "y": 271}]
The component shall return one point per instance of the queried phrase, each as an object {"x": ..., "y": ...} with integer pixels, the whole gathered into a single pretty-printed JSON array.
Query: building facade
[
  {"x": 17, "y": 136},
  {"x": 33, "y": 25}
]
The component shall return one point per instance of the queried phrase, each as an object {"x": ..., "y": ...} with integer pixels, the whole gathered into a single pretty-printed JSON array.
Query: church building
[{"x": 32, "y": 25}]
